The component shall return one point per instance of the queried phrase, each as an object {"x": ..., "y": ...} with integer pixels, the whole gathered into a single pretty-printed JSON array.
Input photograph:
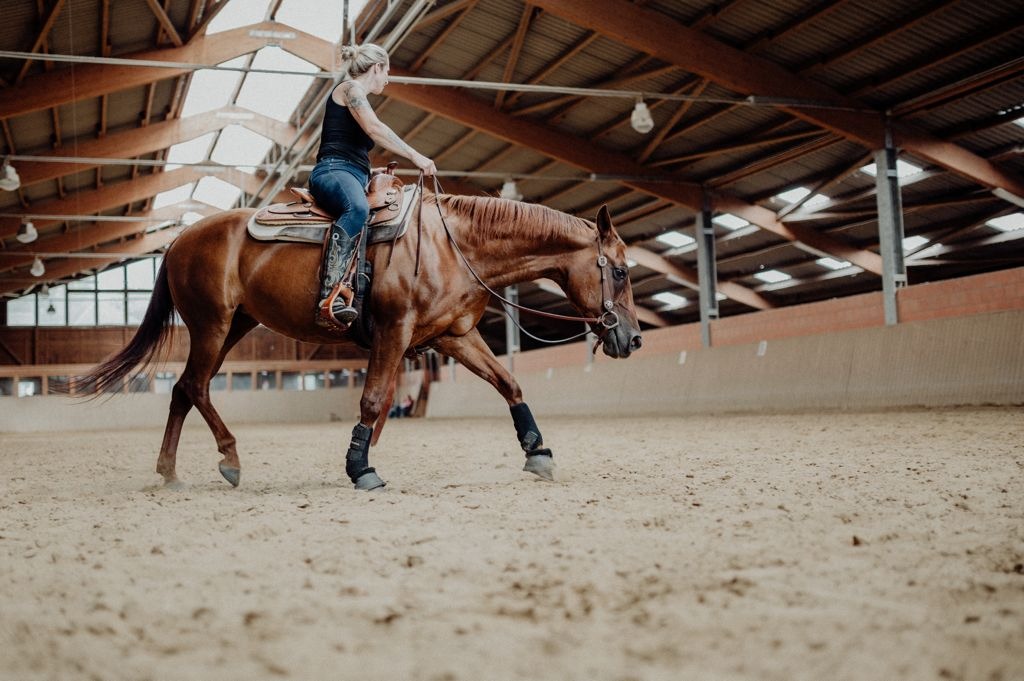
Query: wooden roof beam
[
  {"x": 100, "y": 233},
  {"x": 92, "y": 80},
  {"x": 688, "y": 277},
  {"x": 654, "y": 33},
  {"x": 155, "y": 137},
  {"x": 40, "y": 40},
  {"x": 474, "y": 113},
  {"x": 57, "y": 269},
  {"x": 96, "y": 201},
  {"x": 165, "y": 22},
  {"x": 518, "y": 40}
]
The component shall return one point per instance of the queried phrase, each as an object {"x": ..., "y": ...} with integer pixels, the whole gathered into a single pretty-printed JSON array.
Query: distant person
[{"x": 407, "y": 404}]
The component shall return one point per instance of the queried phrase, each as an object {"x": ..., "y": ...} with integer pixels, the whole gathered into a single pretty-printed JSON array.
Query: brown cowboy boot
[{"x": 335, "y": 309}]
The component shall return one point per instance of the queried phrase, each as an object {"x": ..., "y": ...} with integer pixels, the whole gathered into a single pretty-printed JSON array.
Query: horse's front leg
[
  {"x": 385, "y": 359},
  {"x": 473, "y": 352}
]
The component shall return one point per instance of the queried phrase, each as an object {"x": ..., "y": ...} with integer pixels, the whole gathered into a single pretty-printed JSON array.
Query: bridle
[{"x": 608, "y": 319}]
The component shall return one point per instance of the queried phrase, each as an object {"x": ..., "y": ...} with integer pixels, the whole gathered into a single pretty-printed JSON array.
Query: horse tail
[{"x": 143, "y": 347}]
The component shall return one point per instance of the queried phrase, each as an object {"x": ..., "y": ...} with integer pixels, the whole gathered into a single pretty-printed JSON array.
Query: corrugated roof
[{"x": 882, "y": 54}]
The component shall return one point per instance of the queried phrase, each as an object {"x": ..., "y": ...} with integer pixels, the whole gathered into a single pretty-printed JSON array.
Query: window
[
  {"x": 111, "y": 307},
  {"x": 313, "y": 380},
  {"x": 164, "y": 381},
  {"x": 81, "y": 308},
  {"x": 52, "y": 307},
  {"x": 140, "y": 274},
  {"x": 266, "y": 380},
  {"x": 22, "y": 311},
  {"x": 137, "y": 304},
  {"x": 241, "y": 381},
  {"x": 111, "y": 280},
  {"x": 27, "y": 387}
]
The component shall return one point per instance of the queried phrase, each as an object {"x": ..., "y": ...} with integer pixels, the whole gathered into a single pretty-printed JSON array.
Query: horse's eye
[{"x": 619, "y": 273}]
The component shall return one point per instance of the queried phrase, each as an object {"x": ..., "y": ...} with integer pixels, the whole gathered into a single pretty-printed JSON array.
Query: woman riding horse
[{"x": 339, "y": 178}]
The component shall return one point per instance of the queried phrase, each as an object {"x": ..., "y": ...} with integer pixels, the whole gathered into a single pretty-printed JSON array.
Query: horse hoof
[
  {"x": 231, "y": 474},
  {"x": 175, "y": 485},
  {"x": 541, "y": 465},
  {"x": 369, "y": 480}
]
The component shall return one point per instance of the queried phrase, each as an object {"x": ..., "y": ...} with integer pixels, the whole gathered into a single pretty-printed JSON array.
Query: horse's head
[{"x": 598, "y": 285}]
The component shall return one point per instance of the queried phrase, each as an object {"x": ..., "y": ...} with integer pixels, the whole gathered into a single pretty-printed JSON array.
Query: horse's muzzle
[{"x": 620, "y": 343}]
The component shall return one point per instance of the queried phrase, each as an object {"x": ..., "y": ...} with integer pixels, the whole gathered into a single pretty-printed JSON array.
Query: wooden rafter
[
  {"x": 940, "y": 56},
  {"x": 85, "y": 238},
  {"x": 439, "y": 40},
  {"x": 888, "y": 32},
  {"x": 570, "y": 101},
  {"x": 766, "y": 141},
  {"x": 518, "y": 40},
  {"x": 58, "y": 269},
  {"x": 665, "y": 128},
  {"x": 656, "y": 34},
  {"x": 555, "y": 64},
  {"x": 471, "y": 112},
  {"x": 41, "y": 38}
]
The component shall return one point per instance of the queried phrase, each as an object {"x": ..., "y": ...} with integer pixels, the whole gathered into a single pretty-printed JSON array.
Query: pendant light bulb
[
  {"x": 9, "y": 180},
  {"x": 510, "y": 191},
  {"x": 27, "y": 233},
  {"x": 641, "y": 119}
]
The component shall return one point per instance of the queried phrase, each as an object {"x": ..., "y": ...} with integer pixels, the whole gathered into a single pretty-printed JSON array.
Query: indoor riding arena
[{"x": 712, "y": 368}]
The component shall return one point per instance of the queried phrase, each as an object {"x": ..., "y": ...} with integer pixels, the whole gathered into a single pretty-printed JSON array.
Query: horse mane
[{"x": 497, "y": 218}]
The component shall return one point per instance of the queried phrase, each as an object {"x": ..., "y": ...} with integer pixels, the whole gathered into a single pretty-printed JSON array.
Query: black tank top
[{"x": 342, "y": 137}]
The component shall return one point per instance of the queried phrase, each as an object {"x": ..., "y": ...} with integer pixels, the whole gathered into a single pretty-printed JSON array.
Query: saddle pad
[{"x": 315, "y": 233}]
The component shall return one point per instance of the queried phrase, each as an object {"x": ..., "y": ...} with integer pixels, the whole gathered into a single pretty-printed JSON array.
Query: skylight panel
[
  {"x": 192, "y": 151},
  {"x": 322, "y": 18},
  {"x": 670, "y": 301},
  {"x": 217, "y": 193},
  {"x": 240, "y": 146},
  {"x": 772, "y": 276},
  {"x": 729, "y": 221},
  {"x": 675, "y": 239},
  {"x": 238, "y": 13},
  {"x": 832, "y": 263},
  {"x": 1019, "y": 121},
  {"x": 273, "y": 94},
  {"x": 903, "y": 169},
  {"x": 911, "y": 243},
  {"x": 173, "y": 196},
  {"x": 1008, "y": 223},
  {"x": 798, "y": 193},
  {"x": 212, "y": 89}
]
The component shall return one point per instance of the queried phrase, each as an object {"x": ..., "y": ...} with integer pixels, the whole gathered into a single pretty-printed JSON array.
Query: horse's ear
[{"x": 604, "y": 221}]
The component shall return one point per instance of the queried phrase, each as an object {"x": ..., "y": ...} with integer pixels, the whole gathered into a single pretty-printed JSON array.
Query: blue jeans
[{"x": 340, "y": 188}]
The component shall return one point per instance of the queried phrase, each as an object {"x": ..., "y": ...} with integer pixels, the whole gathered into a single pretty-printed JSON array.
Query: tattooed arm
[{"x": 353, "y": 95}]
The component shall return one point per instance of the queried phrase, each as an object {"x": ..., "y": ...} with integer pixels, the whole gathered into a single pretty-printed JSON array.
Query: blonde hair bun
[{"x": 358, "y": 59}]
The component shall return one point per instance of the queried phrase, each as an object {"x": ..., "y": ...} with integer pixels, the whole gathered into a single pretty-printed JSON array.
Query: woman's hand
[{"x": 425, "y": 165}]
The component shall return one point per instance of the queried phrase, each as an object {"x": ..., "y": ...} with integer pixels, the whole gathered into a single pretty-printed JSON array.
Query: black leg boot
[{"x": 335, "y": 306}]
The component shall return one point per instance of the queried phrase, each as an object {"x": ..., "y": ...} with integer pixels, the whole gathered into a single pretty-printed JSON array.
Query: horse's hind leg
[
  {"x": 208, "y": 349},
  {"x": 166, "y": 462},
  {"x": 473, "y": 353}
]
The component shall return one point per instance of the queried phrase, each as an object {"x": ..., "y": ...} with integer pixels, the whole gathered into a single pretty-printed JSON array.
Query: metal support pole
[
  {"x": 890, "y": 227},
  {"x": 707, "y": 273},
  {"x": 512, "y": 338}
]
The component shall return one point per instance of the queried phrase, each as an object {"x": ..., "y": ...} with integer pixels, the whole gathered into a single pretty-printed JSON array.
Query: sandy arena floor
[{"x": 836, "y": 546}]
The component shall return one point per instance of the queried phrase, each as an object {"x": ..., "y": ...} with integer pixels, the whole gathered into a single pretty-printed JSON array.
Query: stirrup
[{"x": 335, "y": 312}]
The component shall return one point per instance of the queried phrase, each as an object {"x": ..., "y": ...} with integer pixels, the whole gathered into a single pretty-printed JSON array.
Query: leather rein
[{"x": 608, "y": 319}]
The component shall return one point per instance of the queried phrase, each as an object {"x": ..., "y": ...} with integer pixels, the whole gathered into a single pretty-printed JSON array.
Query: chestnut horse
[{"x": 223, "y": 283}]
